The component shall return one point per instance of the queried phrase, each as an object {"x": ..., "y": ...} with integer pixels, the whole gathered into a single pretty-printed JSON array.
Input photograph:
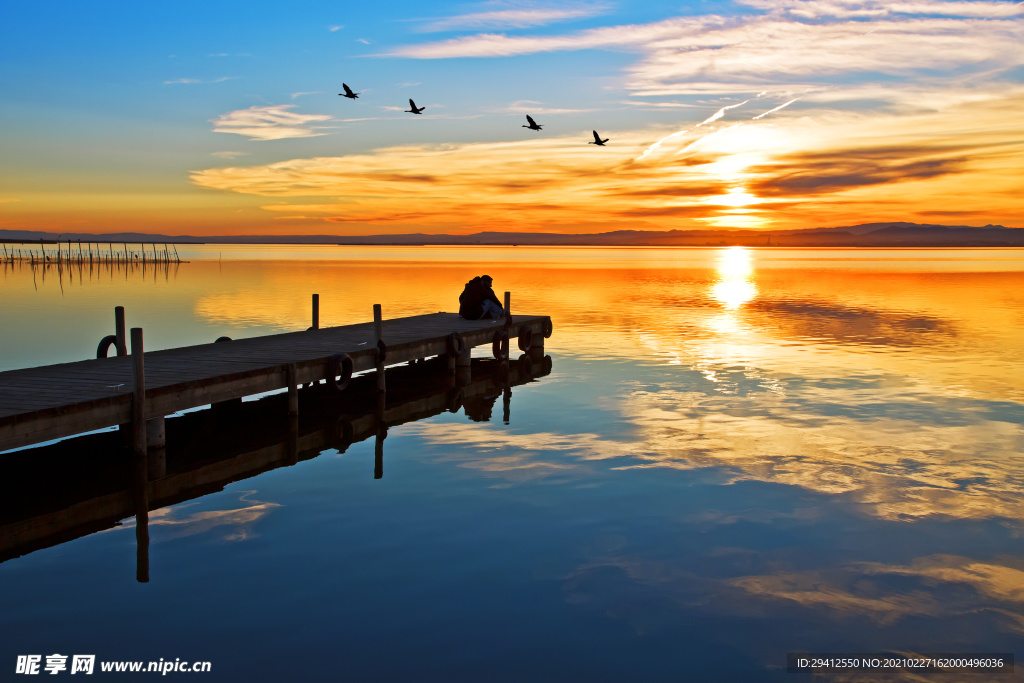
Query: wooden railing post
[
  {"x": 378, "y": 333},
  {"x": 316, "y": 311},
  {"x": 122, "y": 347}
]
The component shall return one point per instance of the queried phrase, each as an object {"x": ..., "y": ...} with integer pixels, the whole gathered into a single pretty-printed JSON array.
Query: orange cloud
[{"x": 956, "y": 152}]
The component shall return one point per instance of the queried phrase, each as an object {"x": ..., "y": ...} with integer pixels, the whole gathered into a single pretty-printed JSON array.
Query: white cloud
[
  {"x": 269, "y": 123},
  {"x": 332, "y": 29},
  {"x": 798, "y": 45},
  {"x": 513, "y": 18},
  {"x": 533, "y": 107},
  {"x": 194, "y": 81},
  {"x": 296, "y": 95}
]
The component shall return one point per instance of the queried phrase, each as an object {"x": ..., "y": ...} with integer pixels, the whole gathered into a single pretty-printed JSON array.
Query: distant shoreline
[{"x": 895, "y": 234}]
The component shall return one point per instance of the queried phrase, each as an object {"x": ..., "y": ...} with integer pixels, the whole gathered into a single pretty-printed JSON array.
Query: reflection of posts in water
[
  {"x": 506, "y": 403},
  {"x": 139, "y": 458},
  {"x": 378, "y": 451},
  {"x": 292, "y": 446},
  {"x": 382, "y": 433}
]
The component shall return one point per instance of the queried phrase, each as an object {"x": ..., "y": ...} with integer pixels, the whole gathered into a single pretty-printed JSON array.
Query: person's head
[{"x": 486, "y": 279}]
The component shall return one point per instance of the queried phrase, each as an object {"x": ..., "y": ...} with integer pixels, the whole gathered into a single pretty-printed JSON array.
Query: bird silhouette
[
  {"x": 415, "y": 109},
  {"x": 597, "y": 140},
  {"x": 533, "y": 124},
  {"x": 348, "y": 92}
]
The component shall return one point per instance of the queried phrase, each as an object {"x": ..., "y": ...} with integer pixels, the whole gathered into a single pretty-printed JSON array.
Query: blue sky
[{"x": 119, "y": 113}]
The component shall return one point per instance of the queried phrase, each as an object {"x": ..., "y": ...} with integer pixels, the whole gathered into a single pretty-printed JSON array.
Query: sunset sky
[{"x": 224, "y": 117}]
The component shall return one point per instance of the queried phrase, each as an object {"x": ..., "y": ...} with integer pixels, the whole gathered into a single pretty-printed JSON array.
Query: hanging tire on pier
[
  {"x": 343, "y": 434},
  {"x": 382, "y": 351},
  {"x": 548, "y": 328},
  {"x": 341, "y": 365},
  {"x": 455, "y": 344},
  {"x": 525, "y": 339},
  {"x": 104, "y": 348},
  {"x": 499, "y": 345}
]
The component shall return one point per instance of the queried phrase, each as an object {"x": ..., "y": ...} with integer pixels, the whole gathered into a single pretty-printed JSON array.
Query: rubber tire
[
  {"x": 104, "y": 348},
  {"x": 455, "y": 344},
  {"x": 525, "y": 339},
  {"x": 499, "y": 345},
  {"x": 339, "y": 364}
]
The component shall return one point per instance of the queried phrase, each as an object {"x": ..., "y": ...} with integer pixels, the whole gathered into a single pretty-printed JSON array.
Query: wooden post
[
  {"x": 293, "y": 390},
  {"x": 508, "y": 307},
  {"x": 378, "y": 332},
  {"x": 316, "y": 311},
  {"x": 122, "y": 348},
  {"x": 139, "y": 457}
]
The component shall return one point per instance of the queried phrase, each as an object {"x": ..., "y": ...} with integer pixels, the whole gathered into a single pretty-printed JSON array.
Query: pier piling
[
  {"x": 139, "y": 454},
  {"x": 378, "y": 332}
]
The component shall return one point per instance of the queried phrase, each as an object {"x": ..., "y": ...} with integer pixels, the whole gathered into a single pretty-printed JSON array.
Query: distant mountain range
[{"x": 895, "y": 234}]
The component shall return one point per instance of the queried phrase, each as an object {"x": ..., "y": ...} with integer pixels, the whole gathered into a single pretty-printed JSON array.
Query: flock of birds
[{"x": 531, "y": 124}]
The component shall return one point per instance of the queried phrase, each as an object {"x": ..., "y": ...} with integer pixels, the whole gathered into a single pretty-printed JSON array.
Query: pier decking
[{"x": 50, "y": 402}]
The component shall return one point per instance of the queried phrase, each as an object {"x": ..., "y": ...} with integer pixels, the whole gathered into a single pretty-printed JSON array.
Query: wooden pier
[
  {"x": 51, "y": 402},
  {"x": 56, "y": 493}
]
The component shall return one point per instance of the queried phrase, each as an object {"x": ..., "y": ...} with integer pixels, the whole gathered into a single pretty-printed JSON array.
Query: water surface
[{"x": 738, "y": 453}]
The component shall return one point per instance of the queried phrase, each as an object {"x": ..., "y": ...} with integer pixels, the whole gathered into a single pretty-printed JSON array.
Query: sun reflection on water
[{"x": 735, "y": 285}]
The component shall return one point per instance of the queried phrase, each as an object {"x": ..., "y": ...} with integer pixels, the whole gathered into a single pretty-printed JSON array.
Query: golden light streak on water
[{"x": 735, "y": 285}]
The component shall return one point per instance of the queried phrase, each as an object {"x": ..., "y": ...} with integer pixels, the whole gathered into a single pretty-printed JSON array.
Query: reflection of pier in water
[{"x": 57, "y": 493}]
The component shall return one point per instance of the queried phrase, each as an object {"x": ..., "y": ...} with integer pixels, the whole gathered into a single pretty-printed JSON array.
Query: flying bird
[
  {"x": 348, "y": 92},
  {"x": 415, "y": 109},
  {"x": 533, "y": 124},
  {"x": 597, "y": 140}
]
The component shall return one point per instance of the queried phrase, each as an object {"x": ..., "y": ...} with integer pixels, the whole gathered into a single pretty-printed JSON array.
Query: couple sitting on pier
[{"x": 478, "y": 300}]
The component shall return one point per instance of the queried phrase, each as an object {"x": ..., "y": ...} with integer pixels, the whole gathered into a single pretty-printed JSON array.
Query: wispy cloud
[
  {"x": 195, "y": 81},
  {"x": 799, "y": 43},
  {"x": 228, "y": 154},
  {"x": 778, "y": 108},
  {"x": 526, "y": 17},
  {"x": 274, "y": 122},
  {"x": 533, "y": 107},
  {"x": 364, "y": 41},
  {"x": 297, "y": 95},
  {"x": 335, "y": 28}
]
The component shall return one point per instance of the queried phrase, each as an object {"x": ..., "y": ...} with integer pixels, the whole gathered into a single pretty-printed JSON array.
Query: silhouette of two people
[{"x": 478, "y": 300}]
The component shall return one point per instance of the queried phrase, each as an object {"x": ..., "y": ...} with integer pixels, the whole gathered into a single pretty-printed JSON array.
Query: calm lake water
[{"x": 737, "y": 453}]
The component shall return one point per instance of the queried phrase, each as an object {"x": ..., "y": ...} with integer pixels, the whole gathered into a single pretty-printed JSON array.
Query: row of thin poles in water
[
  {"x": 100, "y": 266},
  {"x": 90, "y": 253}
]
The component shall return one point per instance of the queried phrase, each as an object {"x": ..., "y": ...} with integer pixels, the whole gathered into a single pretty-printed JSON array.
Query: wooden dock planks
[{"x": 54, "y": 401}]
